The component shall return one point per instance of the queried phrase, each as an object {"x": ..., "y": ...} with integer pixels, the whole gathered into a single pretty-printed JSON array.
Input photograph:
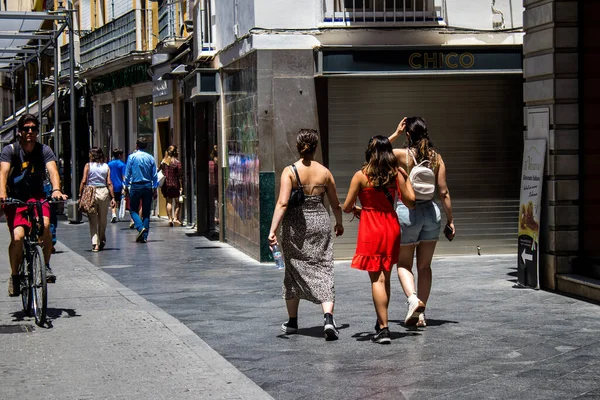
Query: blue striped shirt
[{"x": 140, "y": 172}]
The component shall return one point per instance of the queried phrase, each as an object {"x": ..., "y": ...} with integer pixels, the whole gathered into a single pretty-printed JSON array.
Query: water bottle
[{"x": 277, "y": 256}]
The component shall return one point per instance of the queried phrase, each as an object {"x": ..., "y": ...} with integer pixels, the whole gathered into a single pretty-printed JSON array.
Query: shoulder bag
[
  {"x": 297, "y": 194},
  {"x": 87, "y": 200}
]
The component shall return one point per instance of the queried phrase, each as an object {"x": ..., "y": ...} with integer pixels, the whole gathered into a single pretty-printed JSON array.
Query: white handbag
[
  {"x": 122, "y": 207},
  {"x": 161, "y": 178}
]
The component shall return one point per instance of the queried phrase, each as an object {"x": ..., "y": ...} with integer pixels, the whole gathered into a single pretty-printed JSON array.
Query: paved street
[{"x": 125, "y": 322}]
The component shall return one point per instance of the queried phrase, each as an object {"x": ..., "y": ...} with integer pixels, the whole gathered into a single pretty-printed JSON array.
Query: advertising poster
[{"x": 529, "y": 216}]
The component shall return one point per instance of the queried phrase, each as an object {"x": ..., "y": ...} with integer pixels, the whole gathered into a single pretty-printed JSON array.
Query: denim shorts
[{"x": 419, "y": 224}]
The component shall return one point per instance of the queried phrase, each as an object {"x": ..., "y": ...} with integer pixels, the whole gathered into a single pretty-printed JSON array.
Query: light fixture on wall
[{"x": 497, "y": 17}]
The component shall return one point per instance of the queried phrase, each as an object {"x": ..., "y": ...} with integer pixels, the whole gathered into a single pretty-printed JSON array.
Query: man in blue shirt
[
  {"x": 117, "y": 173},
  {"x": 141, "y": 181}
]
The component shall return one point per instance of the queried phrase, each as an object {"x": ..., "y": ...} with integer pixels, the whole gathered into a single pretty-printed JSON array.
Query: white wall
[
  {"x": 477, "y": 14},
  {"x": 288, "y": 14},
  {"x": 306, "y": 14},
  {"x": 230, "y": 12}
]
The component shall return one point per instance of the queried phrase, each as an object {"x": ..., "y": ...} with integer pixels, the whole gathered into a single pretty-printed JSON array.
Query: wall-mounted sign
[
  {"x": 332, "y": 61},
  {"x": 532, "y": 179},
  {"x": 122, "y": 78}
]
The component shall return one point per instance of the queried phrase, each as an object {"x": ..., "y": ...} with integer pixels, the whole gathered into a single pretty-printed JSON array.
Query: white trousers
[{"x": 98, "y": 221}]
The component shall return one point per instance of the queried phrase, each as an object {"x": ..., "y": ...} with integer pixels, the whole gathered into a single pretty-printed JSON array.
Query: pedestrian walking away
[
  {"x": 306, "y": 236},
  {"x": 96, "y": 173},
  {"x": 141, "y": 183},
  {"x": 420, "y": 226},
  {"x": 117, "y": 174},
  {"x": 173, "y": 186},
  {"x": 23, "y": 167},
  {"x": 376, "y": 185}
]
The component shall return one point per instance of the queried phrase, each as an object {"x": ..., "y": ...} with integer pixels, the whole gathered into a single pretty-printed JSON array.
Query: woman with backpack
[{"x": 420, "y": 226}]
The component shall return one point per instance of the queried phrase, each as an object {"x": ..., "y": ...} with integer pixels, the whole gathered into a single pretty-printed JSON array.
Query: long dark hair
[
  {"x": 419, "y": 140},
  {"x": 381, "y": 165}
]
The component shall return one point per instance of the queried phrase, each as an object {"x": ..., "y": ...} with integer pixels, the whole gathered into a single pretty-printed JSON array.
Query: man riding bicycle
[{"x": 23, "y": 166}]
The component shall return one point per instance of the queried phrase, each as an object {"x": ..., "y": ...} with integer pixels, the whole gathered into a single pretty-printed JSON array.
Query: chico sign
[{"x": 431, "y": 60}]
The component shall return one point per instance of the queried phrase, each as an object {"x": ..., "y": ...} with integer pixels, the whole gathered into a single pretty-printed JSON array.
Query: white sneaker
[
  {"x": 113, "y": 219},
  {"x": 415, "y": 308}
]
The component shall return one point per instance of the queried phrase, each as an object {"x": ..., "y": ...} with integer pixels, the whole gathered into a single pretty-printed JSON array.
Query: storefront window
[{"x": 145, "y": 121}]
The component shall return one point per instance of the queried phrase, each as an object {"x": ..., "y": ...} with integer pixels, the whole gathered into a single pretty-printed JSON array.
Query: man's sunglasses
[{"x": 30, "y": 129}]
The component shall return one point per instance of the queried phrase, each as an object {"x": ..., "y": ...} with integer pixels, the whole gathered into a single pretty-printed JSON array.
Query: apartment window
[{"x": 205, "y": 18}]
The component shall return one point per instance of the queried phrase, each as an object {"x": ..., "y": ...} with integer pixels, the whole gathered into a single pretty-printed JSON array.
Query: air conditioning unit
[{"x": 73, "y": 214}]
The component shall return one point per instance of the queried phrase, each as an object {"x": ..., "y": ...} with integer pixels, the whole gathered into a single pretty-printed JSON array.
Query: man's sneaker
[
  {"x": 50, "y": 277},
  {"x": 415, "y": 308},
  {"x": 113, "y": 219},
  {"x": 329, "y": 328},
  {"x": 132, "y": 225},
  {"x": 288, "y": 329},
  {"x": 14, "y": 286},
  {"x": 382, "y": 337},
  {"x": 140, "y": 236}
]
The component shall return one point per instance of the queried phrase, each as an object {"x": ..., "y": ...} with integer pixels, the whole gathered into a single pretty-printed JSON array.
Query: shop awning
[{"x": 10, "y": 124}]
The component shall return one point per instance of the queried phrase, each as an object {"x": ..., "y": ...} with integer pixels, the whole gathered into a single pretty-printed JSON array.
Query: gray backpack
[{"x": 422, "y": 178}]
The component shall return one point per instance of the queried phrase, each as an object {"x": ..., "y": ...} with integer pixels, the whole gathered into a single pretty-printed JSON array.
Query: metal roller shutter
[{"x": 475, "y": 122}]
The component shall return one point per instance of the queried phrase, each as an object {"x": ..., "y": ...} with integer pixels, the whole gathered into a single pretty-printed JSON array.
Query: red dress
[{"x": 378, "y": 242}]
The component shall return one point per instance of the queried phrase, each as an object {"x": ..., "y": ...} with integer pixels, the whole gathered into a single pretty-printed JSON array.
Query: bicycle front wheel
[
  {"x": 24, "y": 277},
  {"x": 40, "y": 292}
]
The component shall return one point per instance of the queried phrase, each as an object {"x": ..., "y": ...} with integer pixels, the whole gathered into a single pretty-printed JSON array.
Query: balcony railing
[
  {"x": 116, "y": 39},
  {"x": 384, "y": 12}
]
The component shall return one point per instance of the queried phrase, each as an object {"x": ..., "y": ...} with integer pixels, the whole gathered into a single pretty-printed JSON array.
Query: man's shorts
[
  {"x": 16, "y": 215},
  {"x": 118, "y": 197},
  {"x": 419, "y": 224}
]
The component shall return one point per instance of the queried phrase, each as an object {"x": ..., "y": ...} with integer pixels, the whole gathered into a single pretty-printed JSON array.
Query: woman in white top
[{"x": 97, "y": 173}]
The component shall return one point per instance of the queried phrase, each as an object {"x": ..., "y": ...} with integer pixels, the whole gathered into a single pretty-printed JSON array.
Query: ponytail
[{"x": 420, "y": 142}]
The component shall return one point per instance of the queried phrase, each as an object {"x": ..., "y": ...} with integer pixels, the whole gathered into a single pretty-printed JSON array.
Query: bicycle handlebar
[{"x": 17, "y": 202}]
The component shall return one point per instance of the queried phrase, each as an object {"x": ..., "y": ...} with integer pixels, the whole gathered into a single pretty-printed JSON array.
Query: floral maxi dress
[{"x": 308, "y": 252}]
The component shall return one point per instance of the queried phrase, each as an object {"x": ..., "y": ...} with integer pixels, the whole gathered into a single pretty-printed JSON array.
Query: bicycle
[{"x": 32, "y": 270}]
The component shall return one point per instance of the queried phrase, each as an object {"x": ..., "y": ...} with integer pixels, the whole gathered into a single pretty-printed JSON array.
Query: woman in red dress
[{"x": 376, "y": 185}]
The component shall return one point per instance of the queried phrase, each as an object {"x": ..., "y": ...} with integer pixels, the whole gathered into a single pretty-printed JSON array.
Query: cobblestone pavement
[{"x": 485, "y": 339}]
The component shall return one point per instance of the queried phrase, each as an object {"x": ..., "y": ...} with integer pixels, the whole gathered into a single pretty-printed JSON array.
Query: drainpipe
[
  {"x": 73, "y": 116},
  {"x": 56, "y": 64}
]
